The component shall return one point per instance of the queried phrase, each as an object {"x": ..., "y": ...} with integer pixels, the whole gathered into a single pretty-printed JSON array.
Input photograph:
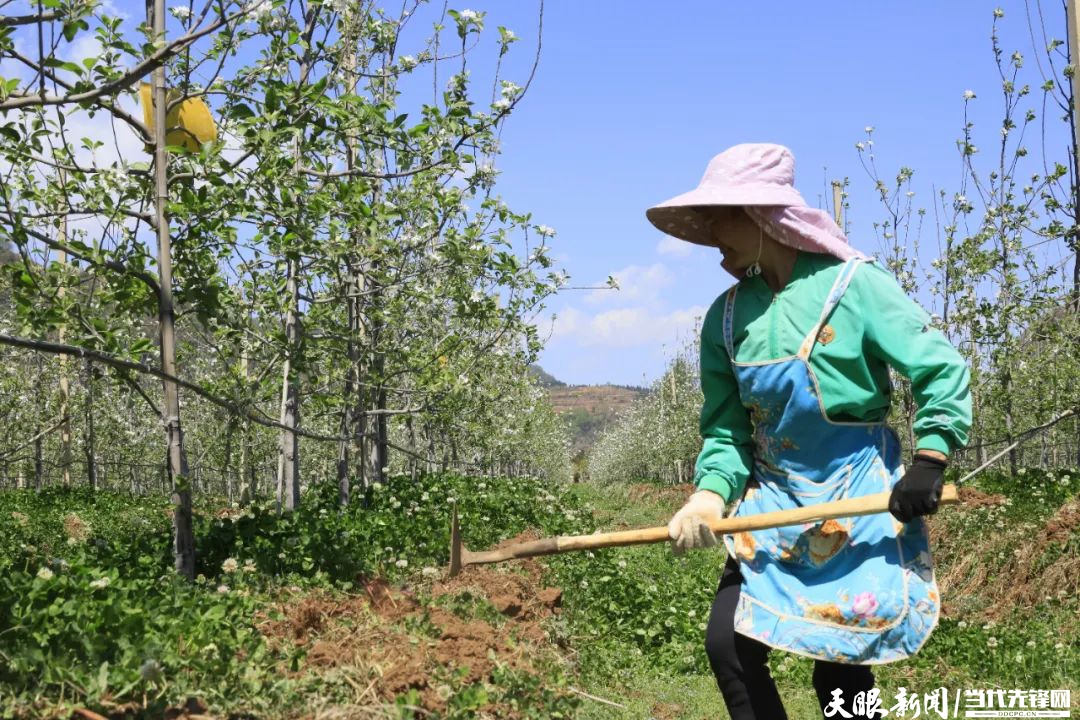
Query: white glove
[{"x": 689, "y": 528}]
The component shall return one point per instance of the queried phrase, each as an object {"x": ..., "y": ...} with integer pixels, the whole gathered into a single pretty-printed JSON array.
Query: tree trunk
[
  {"x": 246, "y": 471},
  {"x": 351, "y": 425},
  {"x": 65, "y": 390},
  {"x": 354, "y": 424},
  {"x": 39, "y": 399},
  {"x": 38, "y": 468},
  {"x": 288, "y": 455},
  {"x": 89, "y": 431},
  {"x": 229, "y": 432},
  {"x": 183, "y": 537}
]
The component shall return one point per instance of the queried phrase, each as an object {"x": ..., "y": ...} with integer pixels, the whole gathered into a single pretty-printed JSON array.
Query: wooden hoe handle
[{"x": 852, "y": 507}]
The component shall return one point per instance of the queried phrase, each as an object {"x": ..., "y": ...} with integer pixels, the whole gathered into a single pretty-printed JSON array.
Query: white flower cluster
[
  {"x": 258, "y": 9},
  {"x": 657, "y": 436}
]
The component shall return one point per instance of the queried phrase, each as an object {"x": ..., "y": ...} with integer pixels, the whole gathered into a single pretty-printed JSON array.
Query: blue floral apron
[{"x": 853, "y": 590}]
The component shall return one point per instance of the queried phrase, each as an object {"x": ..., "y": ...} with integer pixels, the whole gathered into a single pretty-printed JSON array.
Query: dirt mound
[
  {"x": 1064, "y": 523},
  {"x": 1029, "y": 577},
  {"x": 1014, "y": 567},
  {"x": 393, "y": 640},
  {"x": 972, "y": 498}
]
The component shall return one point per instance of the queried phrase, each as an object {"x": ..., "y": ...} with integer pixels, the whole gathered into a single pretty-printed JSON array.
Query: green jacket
[{"x": 876, "y": 325}]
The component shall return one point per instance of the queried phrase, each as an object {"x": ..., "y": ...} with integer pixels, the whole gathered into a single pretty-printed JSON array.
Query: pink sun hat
[{"x": 759, "y": 177}]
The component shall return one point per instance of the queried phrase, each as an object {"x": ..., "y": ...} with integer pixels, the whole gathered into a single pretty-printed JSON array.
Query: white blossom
[
  {"x": 180, "y": 12},
  {"x": 969, "y": 94},
  {"x": 223, "y": 589},
  {"x": 100, "y": 583},
  {"x": 469, "y": 15},
  {"x": 45, "y": 573},
  {"x": 230, "y": 565},
  {"x": 259, "y": 9},
  {"x": 402, "y": 563}
]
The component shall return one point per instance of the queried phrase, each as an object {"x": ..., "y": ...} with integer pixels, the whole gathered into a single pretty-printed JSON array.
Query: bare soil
[
  {"x": 972, "y": 498},
  {"x": 393, "y": 640}
]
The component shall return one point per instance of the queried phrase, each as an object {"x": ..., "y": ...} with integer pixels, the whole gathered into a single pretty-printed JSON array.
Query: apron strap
[
  {"x": 837, "y": 292},
  {"x": 729, "y": 322}
]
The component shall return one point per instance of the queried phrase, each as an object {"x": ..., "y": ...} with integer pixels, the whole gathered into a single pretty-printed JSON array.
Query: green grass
[
  {"x": 90, "y": 610},
  {"x": 92, "y": 614},
  {"x": 666, "y": 675}
]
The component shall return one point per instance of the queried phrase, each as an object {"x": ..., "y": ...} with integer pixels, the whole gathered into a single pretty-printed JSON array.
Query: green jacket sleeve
[
  {"x": 724, "y": 463},
  {"x": 899, "y": 332}
]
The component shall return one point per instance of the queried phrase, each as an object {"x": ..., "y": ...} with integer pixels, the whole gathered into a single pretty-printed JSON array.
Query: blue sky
[{"x": 632, "y": 99}]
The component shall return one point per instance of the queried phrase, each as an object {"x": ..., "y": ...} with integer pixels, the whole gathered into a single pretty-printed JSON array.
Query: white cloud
[
  {"x": 627, "y": 327},
  {"x": 674, "y": 247},
  {"x": 636, "y": 284}
]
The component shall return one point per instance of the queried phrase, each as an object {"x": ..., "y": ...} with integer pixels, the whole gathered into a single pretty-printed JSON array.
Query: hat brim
[{"x": 677, "y": 218}]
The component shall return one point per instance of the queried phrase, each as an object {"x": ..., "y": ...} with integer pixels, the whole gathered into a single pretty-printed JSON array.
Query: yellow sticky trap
[{"x": 189, "y": 124}]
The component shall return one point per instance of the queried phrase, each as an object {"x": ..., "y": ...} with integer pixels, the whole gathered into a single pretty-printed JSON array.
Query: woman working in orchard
[{"x": 795, "y": 372}]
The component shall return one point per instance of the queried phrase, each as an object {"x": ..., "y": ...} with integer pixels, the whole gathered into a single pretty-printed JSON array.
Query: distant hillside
[
  {"x": 546, "y": 380},
  {"x": 589, "y": 408}
]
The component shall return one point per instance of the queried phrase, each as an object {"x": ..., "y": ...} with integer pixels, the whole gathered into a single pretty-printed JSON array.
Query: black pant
[{"x": 739, "y": 663}]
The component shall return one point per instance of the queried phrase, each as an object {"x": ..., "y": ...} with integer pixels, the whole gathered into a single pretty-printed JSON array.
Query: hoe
[{"x": 851, "y": 507}]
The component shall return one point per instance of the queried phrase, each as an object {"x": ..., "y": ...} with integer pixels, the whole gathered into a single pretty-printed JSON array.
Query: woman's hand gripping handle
[{"x": 689, "y": 527}]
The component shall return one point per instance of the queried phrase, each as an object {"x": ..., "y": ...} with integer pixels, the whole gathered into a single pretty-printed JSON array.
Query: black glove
[{"x": 919, "y": 491}]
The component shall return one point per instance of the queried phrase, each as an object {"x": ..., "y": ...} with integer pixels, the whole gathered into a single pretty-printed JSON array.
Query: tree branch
[
  {"x": 13, "y": 20},
  {"x": 114, "y": 362},
  {"x": 138, "y": 72}
]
